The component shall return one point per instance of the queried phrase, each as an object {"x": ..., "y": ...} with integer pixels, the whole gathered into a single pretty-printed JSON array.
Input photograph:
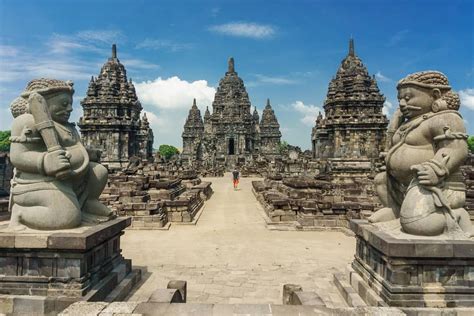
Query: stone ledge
[
  {"x": 411, "y": 248},
  {"x": 81, "y": 238}
]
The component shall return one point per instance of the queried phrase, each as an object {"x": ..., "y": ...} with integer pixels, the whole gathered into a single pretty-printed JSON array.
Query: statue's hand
[
  {"x": 426, "y": 175},
  {"x": 56, "y": 162},
  {"x": 36, "y": 98}
]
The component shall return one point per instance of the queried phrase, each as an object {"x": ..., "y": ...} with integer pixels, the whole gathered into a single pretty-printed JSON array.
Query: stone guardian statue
[
  {"x": 57, "y": 182},
  {"x": 422, "y": 185}
]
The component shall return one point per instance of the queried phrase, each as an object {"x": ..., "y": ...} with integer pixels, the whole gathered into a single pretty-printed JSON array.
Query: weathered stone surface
[
  {"x": 231, "y": 134},
  {"x": 354, "y": 125},
  {"x": 61, "y": 267},
  {"x": 6, "y": 174},
  {"x": 412, "y": 272},
  {"x": 111, "y": 121},
  {"x": 424, "y": 189},
  {"x": 57, "y": 180}
]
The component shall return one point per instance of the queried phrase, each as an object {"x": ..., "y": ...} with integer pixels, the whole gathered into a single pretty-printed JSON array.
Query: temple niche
[
  {"x": 111, "y": 121},
  {"x": 232, "y": 133},
  {"x": 353, "y": 125}
]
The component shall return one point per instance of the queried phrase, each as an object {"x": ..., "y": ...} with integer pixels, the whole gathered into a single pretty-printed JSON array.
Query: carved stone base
[
  {"x": 45, "y": 271},
  {"x": 418, "y": 272}
]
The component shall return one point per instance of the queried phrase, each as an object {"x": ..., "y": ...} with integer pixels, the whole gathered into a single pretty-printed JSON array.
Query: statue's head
[
  {"x": 57, "y": 93},
  {"x": 424, "y": 92}
]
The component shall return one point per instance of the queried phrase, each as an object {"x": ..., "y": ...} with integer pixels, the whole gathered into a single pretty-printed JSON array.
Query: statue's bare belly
[{"x": 406, "y": 156}]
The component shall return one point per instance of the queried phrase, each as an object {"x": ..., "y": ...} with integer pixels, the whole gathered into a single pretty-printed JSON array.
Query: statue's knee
[
  {"x": 99, "y": 172},
  {"x": 380, "y": 179}
]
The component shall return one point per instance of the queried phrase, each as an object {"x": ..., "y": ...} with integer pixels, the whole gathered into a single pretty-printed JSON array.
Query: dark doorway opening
[
  {"x": 199, "y": 152},
  {"x": 231, "y": 146}
]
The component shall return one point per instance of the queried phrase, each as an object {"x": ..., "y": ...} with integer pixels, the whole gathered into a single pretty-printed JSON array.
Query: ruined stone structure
[
  {"x": 6, "y": 173},
  {"x": 354, "y": 125},
  {"x": 193, "y": 133},
  {"x": 336, "y": 183},
  {"x": 232, "y": 131},
  {"x": 111, "y": 121},
  {"x": 269, "y": 131},
  {"x": 154, "y": 194}
]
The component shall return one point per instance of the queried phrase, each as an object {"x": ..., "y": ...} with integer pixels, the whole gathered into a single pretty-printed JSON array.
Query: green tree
[
  {"x": 168, "y": 151},
  {"x": 470, "y": 143},
  {"x": 5, "y": 140},
  {"x": 283, "y": 146}
]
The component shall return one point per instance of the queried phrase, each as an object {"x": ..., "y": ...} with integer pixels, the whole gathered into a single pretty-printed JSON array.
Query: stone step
[
  {"x": 149, "y": 308},
  {"x": 347, "y": 292}
]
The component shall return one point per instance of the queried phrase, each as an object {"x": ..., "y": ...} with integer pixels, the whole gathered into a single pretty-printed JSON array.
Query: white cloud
[
  {"x": 8, "y": 51},
  {"x": 60, "y": 57},
  {"x": 382, "y": 78},
  {"x": 162, "y": 44},
  {"x": 274, "y": 80},
  {"x": 90, "y": 40},
  {"x": 243, "y": 29},
  {"x": 174, "y": 93},
  {"x": 387, "y": 106},
  {"x": 467, "y": 98},
  {"x": 138, "y": 64},
  {"x": 24, "y": 67},
  {"x": 310, "y": 112}
]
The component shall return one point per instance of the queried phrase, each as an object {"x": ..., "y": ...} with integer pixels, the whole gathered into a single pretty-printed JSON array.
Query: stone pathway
[{"x": 230, "y": 256}]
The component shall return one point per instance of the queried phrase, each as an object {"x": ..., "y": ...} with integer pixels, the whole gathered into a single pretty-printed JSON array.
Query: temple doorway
[
  {"x": 199, "y": 152},
  {"x": 231, "y": 150}
]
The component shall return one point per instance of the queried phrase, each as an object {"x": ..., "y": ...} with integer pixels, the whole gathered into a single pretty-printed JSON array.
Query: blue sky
[{"x": 284, "y": 50}]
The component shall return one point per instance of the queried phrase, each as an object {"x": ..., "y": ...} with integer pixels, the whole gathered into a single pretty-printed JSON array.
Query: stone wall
[
  {"x": 468, "y": 173},
  {"x": 153, "y": 197},
  {"x": 320, "y": 203},
  {"x": 6, "y": 173}
]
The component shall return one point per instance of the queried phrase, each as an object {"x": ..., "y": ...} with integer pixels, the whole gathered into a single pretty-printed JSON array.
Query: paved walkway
[{"x": 230, "y": 257}]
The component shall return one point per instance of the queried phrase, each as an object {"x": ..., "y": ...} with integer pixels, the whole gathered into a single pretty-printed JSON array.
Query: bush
[
  {"x": 168, "y": 151},
  {"x": 470, "y": 143},
  {"x": 283, "y": 147},
  {"x": 5, "y": 141}
]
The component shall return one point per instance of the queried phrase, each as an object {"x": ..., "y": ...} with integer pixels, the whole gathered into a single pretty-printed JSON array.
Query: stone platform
[
  {"x": 410, "y": 273},
  {"x": 45, "y": 271}
]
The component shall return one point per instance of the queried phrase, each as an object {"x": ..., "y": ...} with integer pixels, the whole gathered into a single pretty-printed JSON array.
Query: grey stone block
[
  {"x": 179, "y": 285},
  {"x": 288, "y": 291},
  {"x": 166, "y": 296}
]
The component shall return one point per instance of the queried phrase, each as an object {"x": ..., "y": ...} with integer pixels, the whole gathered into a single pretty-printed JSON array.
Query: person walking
[{"x": 235, "y": 178}]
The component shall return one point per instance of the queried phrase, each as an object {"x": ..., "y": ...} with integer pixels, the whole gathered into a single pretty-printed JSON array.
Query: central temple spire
[
  {"x": 231, "y": 67},
  {"x": 114, "y": 51},
  {"x": 351, "y": 47}
]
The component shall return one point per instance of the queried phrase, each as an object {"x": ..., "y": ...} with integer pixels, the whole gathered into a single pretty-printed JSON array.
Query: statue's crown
[
  {"x": 426, "y": 79},
  {"x": 42, "y": 86}
]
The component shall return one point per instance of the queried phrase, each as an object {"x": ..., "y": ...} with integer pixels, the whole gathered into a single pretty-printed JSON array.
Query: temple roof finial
[
  {"x": 114, "y": 51},
  {"x": 351, "y": 47},
  {"x": 231, "y": 67}
]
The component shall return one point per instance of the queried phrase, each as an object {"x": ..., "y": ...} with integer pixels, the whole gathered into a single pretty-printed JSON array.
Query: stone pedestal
[
  {"x": 45, "y": 271},
  {"x": 415, "y": 272}
]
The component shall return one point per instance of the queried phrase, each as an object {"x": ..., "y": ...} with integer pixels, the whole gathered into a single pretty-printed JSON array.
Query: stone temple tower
[
  {"x": 270, "y": 134},
  {"x": 231, "y": 133},
  {"x": 354, "y": 125},
  {"x": 231, "y": 119},
  {"x": 192, "y": 134},
  {"x": 111, "y": 119}
]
